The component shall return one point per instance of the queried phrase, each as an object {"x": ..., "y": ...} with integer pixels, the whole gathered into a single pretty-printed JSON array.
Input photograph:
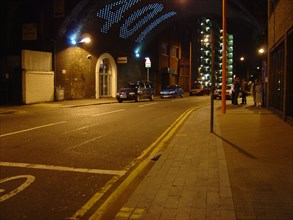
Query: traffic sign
[{"x": 147, "y": 62}]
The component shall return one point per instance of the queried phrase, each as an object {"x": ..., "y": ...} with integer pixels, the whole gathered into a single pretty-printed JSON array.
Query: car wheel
[{"x": 120, "y": 100}]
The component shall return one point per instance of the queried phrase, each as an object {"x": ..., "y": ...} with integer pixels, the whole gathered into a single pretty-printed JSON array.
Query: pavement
[{"x": 242, "y": 170}]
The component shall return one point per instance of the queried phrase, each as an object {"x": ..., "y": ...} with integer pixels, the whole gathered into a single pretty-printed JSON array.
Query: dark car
[
  {"x": 218, "y": 92},
  {"x": 171, "y": 91},
  {"x": 199, "y": 89},
  {"x": 136, "y": 91}
]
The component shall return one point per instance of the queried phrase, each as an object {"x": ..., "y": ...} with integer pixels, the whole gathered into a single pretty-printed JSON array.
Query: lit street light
[
  {"x": 261, "y": 51},
  {"x": 85, "y": 40},
  {"x": 74, "y": 41}
]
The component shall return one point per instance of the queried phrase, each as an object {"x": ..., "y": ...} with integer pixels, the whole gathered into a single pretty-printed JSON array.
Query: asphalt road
[{"x": 62, "y": 163}]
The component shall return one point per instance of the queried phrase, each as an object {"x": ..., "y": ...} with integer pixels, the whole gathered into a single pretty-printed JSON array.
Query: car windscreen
[
  {"x": 197, "y": 86},
  {"x": 170, "y": 87},
  {"x": 129, "y": 86}
]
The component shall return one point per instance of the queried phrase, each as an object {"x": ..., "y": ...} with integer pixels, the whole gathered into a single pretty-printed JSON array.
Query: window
[
  {"x": 277, "y": 78},
  {"x": 164, "y": 49}
]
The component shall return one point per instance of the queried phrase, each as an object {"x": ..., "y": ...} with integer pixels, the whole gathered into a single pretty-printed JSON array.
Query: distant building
[
  {"x": 173, "y": 56},
  {"x": 278, "y": 73},
  {"x": 205, "y": 60}
]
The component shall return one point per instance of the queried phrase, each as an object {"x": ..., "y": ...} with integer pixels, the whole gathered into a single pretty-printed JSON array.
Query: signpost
[
  {"x": 148, "y": 66},
  {"x": 213, "y": 80},
  {"x": 224, "y": 55}
]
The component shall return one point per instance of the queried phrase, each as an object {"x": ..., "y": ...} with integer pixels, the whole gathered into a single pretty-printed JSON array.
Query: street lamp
[
  {"x": 261, "y": 50},
  {"x": 264, "y": 77},
  {"x": 74, "y": 40},
  {"x": 85, "y": 40}
]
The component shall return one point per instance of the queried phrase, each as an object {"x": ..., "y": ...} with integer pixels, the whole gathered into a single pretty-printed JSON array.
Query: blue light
[
  {"x": 73, "y": 39},
  {"x": 153, "y": 25},
  {"x": 114, "y": 17},
  {"x": 135, "y": 21},
  {"x": 125, "y": 33},
  {"x": 137, "y": 52},
  {"x": 73, "y": 42}
]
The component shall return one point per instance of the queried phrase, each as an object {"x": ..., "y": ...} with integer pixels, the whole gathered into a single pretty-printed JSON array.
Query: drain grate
[{"x": 156, "y": 157}]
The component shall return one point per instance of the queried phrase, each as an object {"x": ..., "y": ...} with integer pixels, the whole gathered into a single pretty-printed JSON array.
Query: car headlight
[{"x": 132, "y": 93}]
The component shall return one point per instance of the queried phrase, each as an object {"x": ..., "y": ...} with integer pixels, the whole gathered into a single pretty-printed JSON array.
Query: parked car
[
  {"x": 199, "y": 89},
  {"x": 218, "y": 92},
  {"x": 136, "y": 91},
  {"x": 172, "y": 91}
]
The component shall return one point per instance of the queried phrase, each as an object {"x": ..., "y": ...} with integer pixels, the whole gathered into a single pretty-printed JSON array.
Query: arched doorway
[{"x": 106, "y": 76}]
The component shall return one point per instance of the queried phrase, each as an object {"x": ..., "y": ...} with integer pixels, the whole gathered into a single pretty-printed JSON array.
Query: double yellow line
[{"x": 154, "y": 148}]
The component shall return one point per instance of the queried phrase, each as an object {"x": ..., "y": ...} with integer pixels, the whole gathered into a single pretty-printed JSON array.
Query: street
[{"x": 62, "y": 163}]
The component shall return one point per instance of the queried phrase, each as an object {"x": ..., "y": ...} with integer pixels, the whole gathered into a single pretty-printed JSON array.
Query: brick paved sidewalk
[
  {"x": 259, "y": 152},
  {"x": 244, "y": 170},
  {"x": 189, "y": 181}
]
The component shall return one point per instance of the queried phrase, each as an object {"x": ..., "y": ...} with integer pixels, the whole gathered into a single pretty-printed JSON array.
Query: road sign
[
  {"x": 147, "y": 62},
  {"x": 122, "y": 60}
]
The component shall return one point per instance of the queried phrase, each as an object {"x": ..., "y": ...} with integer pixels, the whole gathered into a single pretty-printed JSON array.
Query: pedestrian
[
  {"x": 252, "y": 90},
  {"x": 232, "y": 92},
  {"x": 236, "y": 90},
  {"x": 258, "y": 93},
  {"x": 244, "y": 91}
]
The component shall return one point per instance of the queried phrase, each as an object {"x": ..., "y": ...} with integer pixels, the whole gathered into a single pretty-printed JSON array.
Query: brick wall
[{"x": 280, "y": 21}]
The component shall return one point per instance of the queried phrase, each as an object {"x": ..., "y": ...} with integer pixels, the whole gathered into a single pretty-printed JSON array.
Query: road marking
[
  {"x": 153, "y": 103},
  {"x": 105, "y": 113},
  {"x": 29, "y": 180},
  {"x": 83, "y": 210},
  {"x": 30, "y": 129},
  {"x": 130, "y": 213},
  {"x": 154, "y": 148},
  {"x": 63, "y": 168},
  {"x": 86, "y": 142},
  {"x": 78, "y": 129}
]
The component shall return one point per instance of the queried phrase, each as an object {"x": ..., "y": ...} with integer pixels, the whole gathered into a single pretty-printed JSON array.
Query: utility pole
[
  {"x": 224, "y": 54},
  {"x": 213, "y": 79}
]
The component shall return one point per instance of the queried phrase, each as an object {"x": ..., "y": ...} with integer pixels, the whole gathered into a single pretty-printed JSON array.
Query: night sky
[{"x": 246, "y": 20}]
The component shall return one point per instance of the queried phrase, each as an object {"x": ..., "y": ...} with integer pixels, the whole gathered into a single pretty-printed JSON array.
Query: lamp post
[
  {"x": 224, "y": 55},
  {"x": 213, "y": 81},
  {"x": 264, "y": 77}
]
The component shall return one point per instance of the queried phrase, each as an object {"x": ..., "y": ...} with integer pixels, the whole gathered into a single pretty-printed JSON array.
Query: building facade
[
  {"x": 212, "y": 46},
  {"x": 278, "y": 70}
]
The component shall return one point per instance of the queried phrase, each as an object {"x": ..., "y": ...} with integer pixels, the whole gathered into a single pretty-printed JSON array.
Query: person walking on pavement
[
  {"x": 244, "y": 90},
  {"x": 252, "y": 90},
  {"x": 258, "y": 93},
  {"x": 236, "y": 90}
]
